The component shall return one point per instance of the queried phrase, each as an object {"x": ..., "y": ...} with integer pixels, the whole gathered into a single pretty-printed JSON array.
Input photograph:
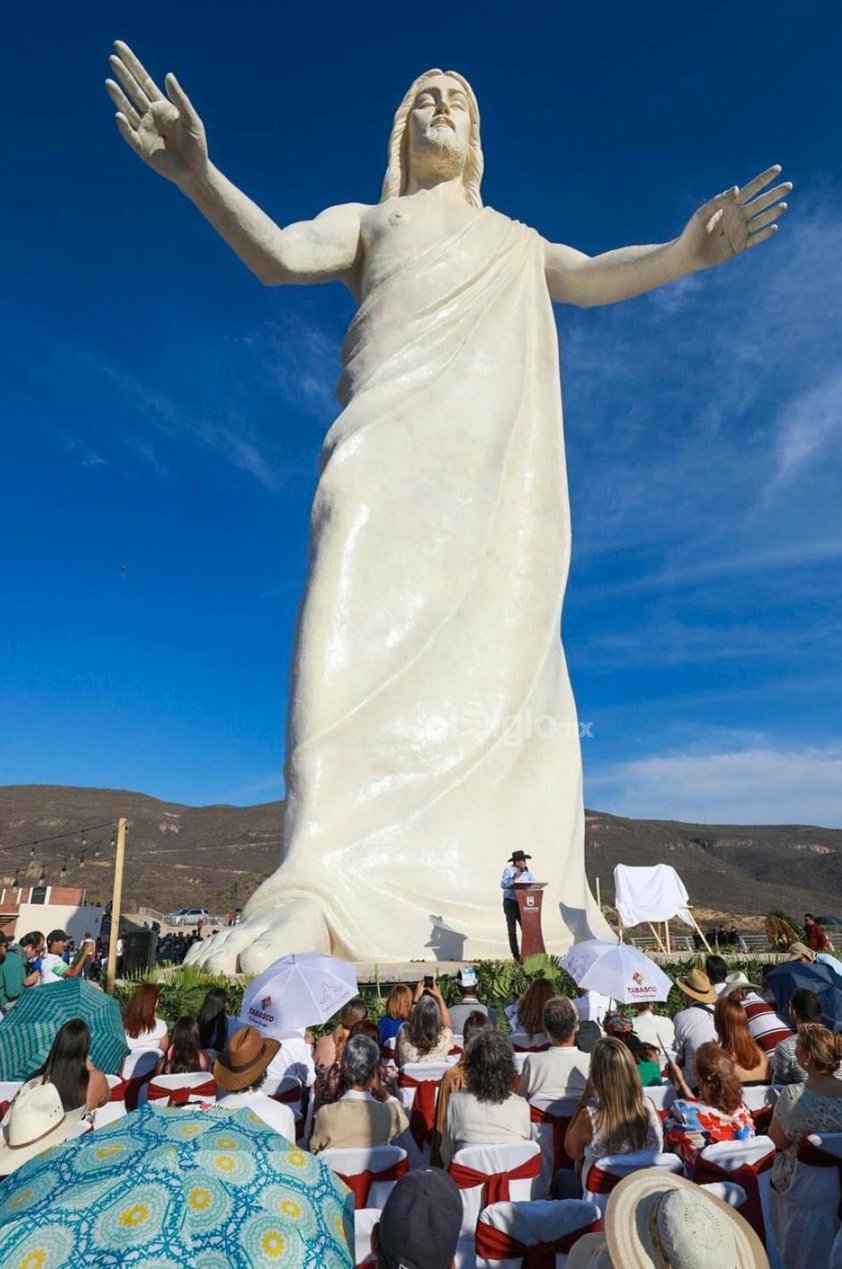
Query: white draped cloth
[
  {"x": 432, "y": 726},
  {"x": 656, "y": 893}
]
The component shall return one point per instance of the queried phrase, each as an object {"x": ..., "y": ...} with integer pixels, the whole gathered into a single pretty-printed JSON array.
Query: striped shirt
[{"x": 767, "y": 1027}]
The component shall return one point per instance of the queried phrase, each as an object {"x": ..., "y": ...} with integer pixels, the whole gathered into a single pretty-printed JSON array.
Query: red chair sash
[
  {"x": 705, "y": 1171},
  {"x": 423, "y": 1114},
  {"x": 360, "y": 1183},
  {"x": 128, "y": 1091},
  {"x": 598, "y": 1181},
  {"x": 181, "y": 1096},
  {"x": 496, "y": 1244},
  {"x": 495, "y": 1184},
  {"x": 531, "y": 1048},
  {"x": 560, "y": 1124},
  {"x": 4, "y": 1106},
  {"x": 815, "y": 1157},
  {"x": 287, "y": 1096},
  {"x": 762, "y": 1118}
]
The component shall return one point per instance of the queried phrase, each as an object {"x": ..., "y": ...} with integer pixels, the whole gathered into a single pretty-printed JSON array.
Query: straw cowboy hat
[
  {"x": 799, "y": 950},
  {"x": 35, "y": 1121},
  {"x": 655, "y": 1218},
  {"x": 244, "y": 1061},
  {"x": 738, "y": 982},
  {"x": 698, "y": 986}
]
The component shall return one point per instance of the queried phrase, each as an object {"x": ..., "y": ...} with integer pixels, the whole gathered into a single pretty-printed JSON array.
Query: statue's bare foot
[{"x": 258, "y": 940}]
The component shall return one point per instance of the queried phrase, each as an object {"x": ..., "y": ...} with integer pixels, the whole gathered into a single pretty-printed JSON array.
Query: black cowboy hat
[{"x": 517, "y": 855}]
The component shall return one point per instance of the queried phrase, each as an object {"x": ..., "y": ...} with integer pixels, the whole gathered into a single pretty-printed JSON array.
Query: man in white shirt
[
  {"x": 239, "y": 1072},
  {"x": 716, "y": 968},
  {"x": 516, "y": 869},
  {"x": 653, "y": 1028},
  {"x": 53, "y": 965},
  {"x": 694, "y": 1025},
  {"x": 466, "y": 980},
  {"x": 561, "y": 1071}
]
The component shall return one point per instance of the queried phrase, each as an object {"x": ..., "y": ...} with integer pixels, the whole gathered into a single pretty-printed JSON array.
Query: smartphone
[{"x": 429, "y": 980}]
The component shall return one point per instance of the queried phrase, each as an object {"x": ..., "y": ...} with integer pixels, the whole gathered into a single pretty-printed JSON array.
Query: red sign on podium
[{"x": 529, "y": 898}]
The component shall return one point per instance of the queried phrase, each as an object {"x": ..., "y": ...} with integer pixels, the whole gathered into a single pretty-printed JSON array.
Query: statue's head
[{"x": 436, "y": 129}]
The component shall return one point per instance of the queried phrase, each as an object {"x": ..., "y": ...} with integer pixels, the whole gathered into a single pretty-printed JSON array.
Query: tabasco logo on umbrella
[
  {"x": 639, "y": 988},
  {"x": 260, "y": 1013}
]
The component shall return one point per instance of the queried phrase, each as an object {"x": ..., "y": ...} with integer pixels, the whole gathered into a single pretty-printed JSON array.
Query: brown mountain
[{"x": 216, "y": 855}]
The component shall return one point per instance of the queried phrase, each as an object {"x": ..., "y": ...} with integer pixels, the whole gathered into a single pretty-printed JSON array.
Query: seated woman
[
  {"x": 486, "y": 1112},
  {"x": 398, "y": 1009},
  {"x": 717, "y": 1114},
  {"x": 750, "y": 1062},
  {"x": 185, "y": 1054},
  {"x": 328, "y": 1053},
  {"x": 645, "y": 1055},
  {"x": 71, "y": 1071},
  {"x": 385, "y": 1082},
  {"x": 144, "y": 1030},
  {"x": 212, "y": 1019},
  {"x": 526, "y": 1018},
  {"x": 453, "y": 1080},
  {"x": 612, "y": 1117},
  {"x": 815, "y": 1105},
  {"x": 427, "y": 1035},
  {"x": 360, "y": 1118}
]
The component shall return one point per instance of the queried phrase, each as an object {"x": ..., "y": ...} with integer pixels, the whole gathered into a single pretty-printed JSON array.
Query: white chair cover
[
  {"x": 805, "y": 1216},
  {"x": 543, "y": 1133},
  {"x": 190, "y": 1079},
  {"x": 139, "y": 1064},
  {"x": 348, "y": 1162},
  {"x": 364, "y": 1221},
  {"x": 661, "y": 1096},
  {"x": 9, "y": 1090},
  {"x": 112, "y": 1110},
  {"x": 287, "y": 1091},
  {"x": 726, "y": 1191},
  {"x": 536, "y": 1222},
  {"x": 489, "y": 1160},
  {"x": 732, "y": 1155},
  {"x": 620, "y": 1165}
]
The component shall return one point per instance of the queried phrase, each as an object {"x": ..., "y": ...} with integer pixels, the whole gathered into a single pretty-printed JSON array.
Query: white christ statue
[{"x": 432, "y": 728}]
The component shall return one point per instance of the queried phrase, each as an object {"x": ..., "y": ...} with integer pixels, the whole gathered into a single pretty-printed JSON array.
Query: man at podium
[{"x": 516, "y": 869}]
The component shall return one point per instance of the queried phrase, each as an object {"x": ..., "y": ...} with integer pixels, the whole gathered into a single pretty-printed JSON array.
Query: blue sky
[{"x": 160, "y": 410}]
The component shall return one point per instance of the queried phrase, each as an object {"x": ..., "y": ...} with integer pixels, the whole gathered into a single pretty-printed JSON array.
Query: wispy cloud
[{"x": 751, "y": 785}]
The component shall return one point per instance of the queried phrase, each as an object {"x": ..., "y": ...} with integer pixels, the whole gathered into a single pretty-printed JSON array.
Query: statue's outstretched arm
[
  {"x": 167, "y": 133},
  {"x": 721, "y": 229}
]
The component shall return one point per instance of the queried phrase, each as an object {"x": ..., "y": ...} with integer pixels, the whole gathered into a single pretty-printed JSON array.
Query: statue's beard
[{"x": 438, "y": 153}]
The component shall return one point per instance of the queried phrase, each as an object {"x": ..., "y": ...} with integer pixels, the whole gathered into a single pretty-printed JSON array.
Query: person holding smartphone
[
  {"x": 427, "y": 1035},
  {"x": 53, "y": 965}
]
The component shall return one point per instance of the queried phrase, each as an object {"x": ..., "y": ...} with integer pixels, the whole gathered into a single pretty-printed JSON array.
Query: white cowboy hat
[
  {"x": 35, "y": 1121},
  {"x": 738, "y": 982},
  {"x": 655, "y": 1218}
]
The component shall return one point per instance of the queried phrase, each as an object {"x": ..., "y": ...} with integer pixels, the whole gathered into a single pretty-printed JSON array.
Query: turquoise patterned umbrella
[
  {"x": 165, "y": 1188},
  {"x": 29, "y": 1029}
]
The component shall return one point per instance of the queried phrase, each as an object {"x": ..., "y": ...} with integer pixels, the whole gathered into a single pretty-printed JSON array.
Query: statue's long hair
[{"x": 397, "y": 170}]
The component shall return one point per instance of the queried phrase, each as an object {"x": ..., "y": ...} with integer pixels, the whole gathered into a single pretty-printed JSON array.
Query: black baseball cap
[
  {"x": 57, "y": 936},
  {"x": 421, "y": 1221}
]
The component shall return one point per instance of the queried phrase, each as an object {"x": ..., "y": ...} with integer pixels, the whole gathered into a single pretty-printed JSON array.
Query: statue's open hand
[
  {"x": 165, "y": 132},
  {"x": 734, "y": 221}
]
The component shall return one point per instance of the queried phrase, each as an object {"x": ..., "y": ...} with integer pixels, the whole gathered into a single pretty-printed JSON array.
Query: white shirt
[
  {"x": 592, "y": 1007},
  {"x": 275, "y": 1114},
  {"x": 693, "y": 1027},
  {"x": 655, "y": 1029},
  {"x": 53, "y": 968},
  {"x": 510, "y": 875},
  {"x": 148, "y": 1039},
  {"x": 293, "y": 1061},
  {"x": 562, "y": 1071}
]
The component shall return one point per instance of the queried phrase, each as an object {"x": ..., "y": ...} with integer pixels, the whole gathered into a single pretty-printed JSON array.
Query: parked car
[{"x": 188, "y": 916}]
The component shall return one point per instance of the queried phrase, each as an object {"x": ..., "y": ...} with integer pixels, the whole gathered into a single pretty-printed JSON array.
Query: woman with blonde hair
[
  {"x": 815, "y": 1105},
  {"x": 750, "y": 1062},
  {"x": 327, "y": 1056},
  {"x": 717, "y": 1114},
  {"x": 398, "y": 1008},
  {"x": 612, "y": 1117}
]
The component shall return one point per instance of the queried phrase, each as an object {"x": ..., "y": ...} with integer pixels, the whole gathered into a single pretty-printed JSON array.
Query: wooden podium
[{"x": 529, "y": 896}]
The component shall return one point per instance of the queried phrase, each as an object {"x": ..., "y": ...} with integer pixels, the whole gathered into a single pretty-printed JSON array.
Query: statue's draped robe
[{"x": 432, "y": 727}]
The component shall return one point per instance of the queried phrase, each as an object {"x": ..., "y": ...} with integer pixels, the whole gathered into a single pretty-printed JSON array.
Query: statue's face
[{"x": 439, "y": 127}]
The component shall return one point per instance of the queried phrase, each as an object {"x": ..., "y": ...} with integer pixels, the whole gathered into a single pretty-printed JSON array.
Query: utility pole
[{"x": 116, "y": 901}]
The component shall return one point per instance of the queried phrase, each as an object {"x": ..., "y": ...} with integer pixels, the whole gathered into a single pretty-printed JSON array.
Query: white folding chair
[
  {"x": 370, "y": 1172},
  {"x": 506, "y": 1231},
  {"x": 489, "y": 1174},
  {"x": 173, "y": 1090},
  {"x": 760, "y": 1099},
  {"x": 288, "y": 1092},
  {"x": 550, "y": 1121},
  {"x": 806, "y": 1216},
  {"x": 601, "y": 1177},
  {"x": 115, "y": 1108},
  {"x": 749, "y": 1164},
  {"x": 136, "y": 1072},
  {"x": 661, "y": 1096},
  {"x": 523, "y": 1043}
]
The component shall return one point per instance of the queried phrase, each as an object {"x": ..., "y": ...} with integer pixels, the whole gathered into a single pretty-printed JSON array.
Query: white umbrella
[
  {"x": 296, "y": 992},
  {"x": 616, "y": 970}
]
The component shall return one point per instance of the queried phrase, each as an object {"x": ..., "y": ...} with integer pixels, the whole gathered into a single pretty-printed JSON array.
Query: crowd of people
[{"x": 605, "y": 1060}]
